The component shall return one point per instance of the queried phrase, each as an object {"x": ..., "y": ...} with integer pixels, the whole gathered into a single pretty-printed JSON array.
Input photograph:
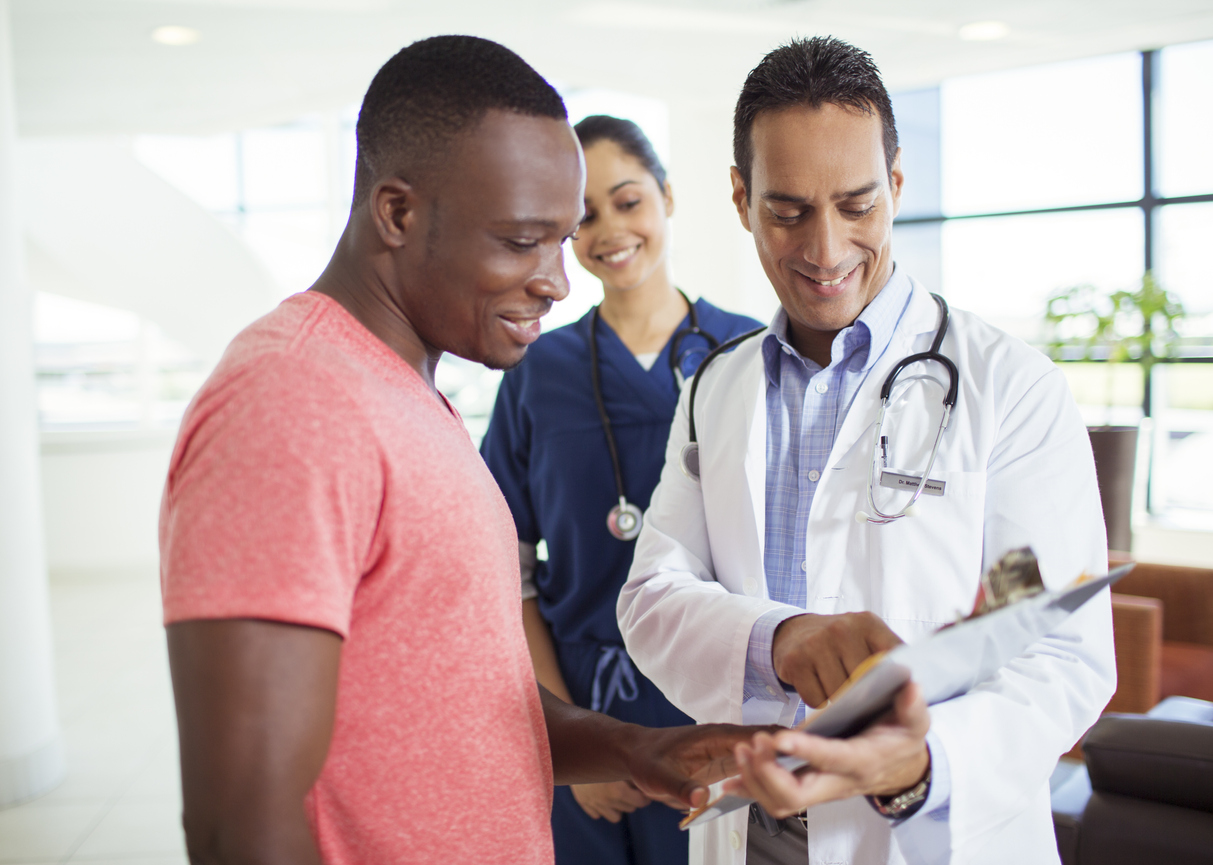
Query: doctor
[{"x": 763, "y": 575}]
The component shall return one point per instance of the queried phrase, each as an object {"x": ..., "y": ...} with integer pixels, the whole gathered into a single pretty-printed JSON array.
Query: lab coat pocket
[{"x": 925, "y": 567}]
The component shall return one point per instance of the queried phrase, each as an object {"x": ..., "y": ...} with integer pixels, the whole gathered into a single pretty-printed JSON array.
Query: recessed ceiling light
[
  {"x": 175, "y": 34},
  {"x": 983, "y": 31}
]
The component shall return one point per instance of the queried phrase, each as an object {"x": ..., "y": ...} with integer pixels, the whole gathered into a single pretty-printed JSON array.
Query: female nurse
[{"x": 577, "y": 443}]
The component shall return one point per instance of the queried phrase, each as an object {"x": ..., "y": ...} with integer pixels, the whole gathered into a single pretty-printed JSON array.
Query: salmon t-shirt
[{"x": 317, "y": 481}]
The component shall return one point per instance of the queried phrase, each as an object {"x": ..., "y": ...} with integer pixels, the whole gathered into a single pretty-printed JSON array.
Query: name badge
[{"x": 898, "y": 481}]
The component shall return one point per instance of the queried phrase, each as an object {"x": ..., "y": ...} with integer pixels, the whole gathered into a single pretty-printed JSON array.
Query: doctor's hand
[
  {"x": 674, "y": 765},
  {"x": 610, "y": 801},
  {"x": 888, "y": 758},
  {"x": 815, "y": 654}
]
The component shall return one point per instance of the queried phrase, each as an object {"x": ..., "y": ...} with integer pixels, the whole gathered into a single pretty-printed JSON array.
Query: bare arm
[
  {"x": 671, "y": 764},
  {"x": 543, "y": 653},
  {"x": 255, "y": 705}
]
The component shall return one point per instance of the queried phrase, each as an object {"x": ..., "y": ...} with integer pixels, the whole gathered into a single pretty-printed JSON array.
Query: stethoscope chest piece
[
  {"x": 688, "y": 460},
  {"x": 624, "y": 520}
]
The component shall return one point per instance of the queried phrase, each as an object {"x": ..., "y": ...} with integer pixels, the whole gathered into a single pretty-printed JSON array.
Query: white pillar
[{"x": 31, "y": 750}]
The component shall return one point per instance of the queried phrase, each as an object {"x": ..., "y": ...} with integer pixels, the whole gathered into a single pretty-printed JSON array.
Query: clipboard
[{"x": 947, "y": 664}]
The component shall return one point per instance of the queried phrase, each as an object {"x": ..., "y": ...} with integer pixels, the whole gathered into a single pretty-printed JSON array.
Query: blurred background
[{"x": 169, "y": 171}]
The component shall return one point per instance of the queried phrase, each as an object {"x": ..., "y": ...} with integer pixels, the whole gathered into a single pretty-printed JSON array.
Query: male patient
[{"x": 340, "y": 572}]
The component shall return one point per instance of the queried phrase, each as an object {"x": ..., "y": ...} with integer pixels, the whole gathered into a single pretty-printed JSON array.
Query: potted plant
[{"x": 1116, "y": 327}]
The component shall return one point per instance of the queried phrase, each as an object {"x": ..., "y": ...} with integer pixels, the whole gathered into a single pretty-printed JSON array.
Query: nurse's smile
[{"x": 619, "y": 258}]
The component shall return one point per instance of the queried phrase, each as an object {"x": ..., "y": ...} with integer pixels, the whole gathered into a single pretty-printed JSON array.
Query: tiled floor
[{"x": 121, "y": 801}]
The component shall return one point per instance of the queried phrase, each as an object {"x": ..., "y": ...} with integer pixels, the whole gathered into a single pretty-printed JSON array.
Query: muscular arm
[
  {"x": 671, "y": 764},
  {"x": 255, "y": 704}
]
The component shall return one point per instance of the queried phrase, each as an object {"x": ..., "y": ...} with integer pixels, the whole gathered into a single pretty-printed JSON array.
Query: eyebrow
[
  {"x": 533, "y": 222},
  {"x": 789, "y": 198},
  {"x": 619, "y": 186}
]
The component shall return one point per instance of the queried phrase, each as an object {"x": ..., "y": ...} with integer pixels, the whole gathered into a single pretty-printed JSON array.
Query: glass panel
[
  {"x": 284, "y": 166},
  {"x": 99, "y": 367},
  {"x": 1045, "y": 136},
  {"x": 917, "y": 115},
  {"x": 293, "y": 244},
  {"x": 1184, "y": 123},
  {"x": 1005, "y": 268},
  {"x": 202, "y": 168},
  {"x": 916, "y": 248},
  {"x": 1183, "y": 472},
  {"x": 1182, "y": 241}
]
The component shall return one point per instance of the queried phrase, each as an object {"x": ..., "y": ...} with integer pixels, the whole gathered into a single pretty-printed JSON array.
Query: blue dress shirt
[{"x": 806, "y": 405}]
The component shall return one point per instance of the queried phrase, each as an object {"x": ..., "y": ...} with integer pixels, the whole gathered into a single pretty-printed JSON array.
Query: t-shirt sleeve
[
  {"x": 506, "y": 449},
  {"x": 272, "y": 499}
]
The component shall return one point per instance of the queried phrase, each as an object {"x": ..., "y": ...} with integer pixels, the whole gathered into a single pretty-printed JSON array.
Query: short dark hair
[
  {"x": 811, "y": 72},
  {"x": 434, "y": 89},
  {"x": 630, "y": 138}
]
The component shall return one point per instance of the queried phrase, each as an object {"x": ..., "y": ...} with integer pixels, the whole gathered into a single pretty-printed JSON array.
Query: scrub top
[{"x": 546, "y": 447}]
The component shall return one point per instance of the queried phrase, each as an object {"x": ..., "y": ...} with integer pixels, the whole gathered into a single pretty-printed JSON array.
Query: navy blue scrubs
[{"x": 546, "y": 448}]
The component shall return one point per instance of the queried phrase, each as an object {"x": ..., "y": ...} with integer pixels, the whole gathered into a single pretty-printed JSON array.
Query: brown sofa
[
  {"x": 1145, "y": 793},
  {"x": 1185, "y": 655}
]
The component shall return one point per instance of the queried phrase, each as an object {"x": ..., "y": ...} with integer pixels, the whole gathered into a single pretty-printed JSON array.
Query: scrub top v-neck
[{"x": 546, "y": 447}]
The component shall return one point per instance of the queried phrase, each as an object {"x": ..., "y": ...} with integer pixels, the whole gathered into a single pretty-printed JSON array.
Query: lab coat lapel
[
  {"x": 921, "y": 317},
  {"x": 754, "y": 420}
]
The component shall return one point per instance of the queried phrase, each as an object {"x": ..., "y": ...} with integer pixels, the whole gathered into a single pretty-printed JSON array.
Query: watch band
[{"x": 904, "y": 804}]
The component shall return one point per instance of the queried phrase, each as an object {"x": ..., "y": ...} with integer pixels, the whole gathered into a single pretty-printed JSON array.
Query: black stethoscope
[
  {"x": 625, "y": 519},
  {"x": 689, "y": 458}
]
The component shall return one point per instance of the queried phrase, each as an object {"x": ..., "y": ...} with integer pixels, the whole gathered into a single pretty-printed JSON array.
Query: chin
[{"x": 503, "y": 360}]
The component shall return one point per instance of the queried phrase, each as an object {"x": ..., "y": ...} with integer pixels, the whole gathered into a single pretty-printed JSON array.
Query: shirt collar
[{"x": 871, "y": 333}]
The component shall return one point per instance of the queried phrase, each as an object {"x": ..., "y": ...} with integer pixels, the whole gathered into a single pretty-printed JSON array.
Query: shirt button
[
  {"x": 770, "y": 690},
  {"x": 821, "y": 387},
  {"x": 735, "y": 839},
  {"x": 804, "y": 566},
  {"x": 751, "y": 585},
  {"x": 814, "y": 476},
  {"x": 787, "y": 350}
]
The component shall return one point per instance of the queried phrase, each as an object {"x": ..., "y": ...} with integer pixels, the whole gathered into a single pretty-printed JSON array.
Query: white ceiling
[{"x": 89, "y": 66}]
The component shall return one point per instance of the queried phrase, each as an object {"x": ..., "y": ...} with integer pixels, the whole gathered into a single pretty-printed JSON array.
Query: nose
[
  {"x": 825, "y": 241},
  {"x": 550, "y": 280}
]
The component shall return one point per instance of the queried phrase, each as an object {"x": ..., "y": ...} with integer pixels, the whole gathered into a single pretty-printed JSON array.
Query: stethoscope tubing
[
  {"x": 689, "y": 458},
  {"x": 624, "y": 519},
  {"x": 949, "y": 401}
]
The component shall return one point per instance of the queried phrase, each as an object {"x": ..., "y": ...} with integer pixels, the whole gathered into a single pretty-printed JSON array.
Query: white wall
[{"x": 101, "y": 499}]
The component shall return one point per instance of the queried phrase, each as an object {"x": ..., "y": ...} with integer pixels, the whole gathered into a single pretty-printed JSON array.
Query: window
[{"x": 1086, "y": 172}]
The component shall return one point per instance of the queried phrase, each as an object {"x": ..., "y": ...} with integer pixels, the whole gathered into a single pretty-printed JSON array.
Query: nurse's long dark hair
[{"x": 629, "y": 137}]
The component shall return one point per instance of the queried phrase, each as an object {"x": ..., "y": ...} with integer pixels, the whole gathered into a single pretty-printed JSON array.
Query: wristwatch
[{"x": 904, "y": 804}]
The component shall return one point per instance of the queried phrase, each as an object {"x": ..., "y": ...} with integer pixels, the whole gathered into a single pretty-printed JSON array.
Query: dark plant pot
[{"x": 1115, "y": 449}]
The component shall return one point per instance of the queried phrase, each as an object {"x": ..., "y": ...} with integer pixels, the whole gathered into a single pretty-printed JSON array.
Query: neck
[
  {"x": 644, "y": 317},
  {"x": 360, "y": 284},
  {"x": 816, "y": 345}
]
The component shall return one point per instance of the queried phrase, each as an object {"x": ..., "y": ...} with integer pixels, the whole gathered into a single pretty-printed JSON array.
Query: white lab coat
[{"x": 1019, "y": 471}]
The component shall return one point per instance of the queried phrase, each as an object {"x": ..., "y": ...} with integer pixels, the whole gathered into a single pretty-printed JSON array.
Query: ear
[
  {"x": 668, "y": 195},
  {"x": 896, "y": 180},
  {"x": 393, "y": 207},
  {"x": 740, "y": 198}
]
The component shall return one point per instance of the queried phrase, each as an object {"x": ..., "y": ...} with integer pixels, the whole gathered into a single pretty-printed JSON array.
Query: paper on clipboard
[{"x": 950, "y": 662}]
